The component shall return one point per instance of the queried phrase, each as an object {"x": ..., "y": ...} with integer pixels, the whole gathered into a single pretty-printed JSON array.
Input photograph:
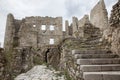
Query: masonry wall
[
  {"x": 29, "y": 32},
  {"x": 83, "y": 20},
  {"x": 115, "y": 28},
  {"x": 99, "y": 15},
  {"x": 74, "y": 24},
  {"x": 10, "y": 29}
]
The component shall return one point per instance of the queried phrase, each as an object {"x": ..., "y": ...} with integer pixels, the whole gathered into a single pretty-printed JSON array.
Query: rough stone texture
[
  {"x": 84, "y": 20},
  {"x": 22, "y": 60},
  {"x": 84, "y": 28},
  {"x": 9, "y": 32},
  {"x": 81, "y": 24},
  {"x": 25, "y": 40},
  {"x": 102, "y": 75},
  {"x": 69, "y": 62},
  {"x": 67, "y": 27},
  {"x": 83, "y": 34},
  {"x": 98, "y": 15},
  {"x": 115, "y": 28},
  {"x": 70, "y": 28},
  {"x": 90, "y": 67},
  {"x": 74, "y": 24},
  {"x": 2, "y": 64},
  {"x": 115, "y": 45},
  {"x": 15, "y": 62},
  {"x": 28, "y": 31},
  {"x": 115, "y": 15},
  {"x": 51, "y": 55},
  {"x": 89, "y": 31}
]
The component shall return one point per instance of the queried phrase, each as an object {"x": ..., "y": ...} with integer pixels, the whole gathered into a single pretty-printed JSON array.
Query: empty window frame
[
  {"x": 51, "y": 28},
  {"x": 51, "y": 41},
  {"x": 34, "y": 25},
  {"x": 43, "y": 27}
]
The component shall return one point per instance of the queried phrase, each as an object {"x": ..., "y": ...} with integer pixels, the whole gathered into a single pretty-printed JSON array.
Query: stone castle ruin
[
  {"x": 33, "y": 31},
  {"x": 35, "y": 40},
  {"x": 41, "y": 31}
]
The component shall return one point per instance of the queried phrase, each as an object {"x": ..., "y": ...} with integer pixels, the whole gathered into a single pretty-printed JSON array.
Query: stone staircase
[{"x": 97, "y": 65}]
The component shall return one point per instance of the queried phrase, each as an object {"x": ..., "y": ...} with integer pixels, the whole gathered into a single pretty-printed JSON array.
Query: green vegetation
[
  {"x": 37, "y": 60},
  {"x": 9, "y": 62},
  {"x": 59, "y": 74},
  {"x": 67, "y": 76}
]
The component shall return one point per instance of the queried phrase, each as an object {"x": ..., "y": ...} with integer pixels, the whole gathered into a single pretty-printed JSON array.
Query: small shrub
[{"x": 37, "y": 60}]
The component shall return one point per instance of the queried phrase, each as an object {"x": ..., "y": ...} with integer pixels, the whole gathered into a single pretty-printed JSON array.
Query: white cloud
[{"x": 64, "y": 8}]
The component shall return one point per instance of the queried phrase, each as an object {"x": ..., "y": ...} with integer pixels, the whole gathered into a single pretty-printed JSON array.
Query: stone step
[
  {"x": 90, "y": 52},
  {"x": 99, "y": 68},
  {"x": 102, "y": 75},
  {"x": 98, "y": 61},
  {"x": 77, "y": 56}
]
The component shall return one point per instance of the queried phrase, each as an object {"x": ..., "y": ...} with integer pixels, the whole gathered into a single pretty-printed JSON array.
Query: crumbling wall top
[{"x": 84, "y": 20}]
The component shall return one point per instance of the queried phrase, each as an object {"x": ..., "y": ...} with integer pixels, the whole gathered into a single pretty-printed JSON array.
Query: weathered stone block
[
  {"x": 97, "y": 68},
  {"x": 87, "y": 56},
  {"x": 101, "y": 75},
  {"x": 97, "y": 61}
]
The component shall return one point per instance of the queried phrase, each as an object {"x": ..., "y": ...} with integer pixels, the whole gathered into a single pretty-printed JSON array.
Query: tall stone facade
[
  {"x": 99, "y": 15},
  {"x": 33, "y": 31}
]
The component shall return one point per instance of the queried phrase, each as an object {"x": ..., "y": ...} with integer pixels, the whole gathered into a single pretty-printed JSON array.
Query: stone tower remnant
[{"x": 99, "y": 15}]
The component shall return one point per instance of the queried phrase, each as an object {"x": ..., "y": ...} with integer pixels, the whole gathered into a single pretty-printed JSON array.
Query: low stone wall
[{"x": 69, "y": 65}]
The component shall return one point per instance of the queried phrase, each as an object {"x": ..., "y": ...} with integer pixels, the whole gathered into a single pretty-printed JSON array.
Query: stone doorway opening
[{"x": 46, "y": 55}]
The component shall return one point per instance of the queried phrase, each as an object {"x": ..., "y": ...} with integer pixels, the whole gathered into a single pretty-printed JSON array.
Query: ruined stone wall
[
  {"x": 78, "y": 24},
  {"x": 115, "y": 28},
  {"x": 70, "y": 30},
  {"x": 29, "y": 31},
  {"x": 2, "y": 64},
  {"x": 84, "y": 20},
  {"x": 10, "y": 29},
  {"x": 83, "y": 28},
  {"x": 68, "y": 64},
  {"x": 67, "y": 27},
  {"x": 98, "y": 15},
  {"x": 22, "y": 60},
  {"x": 27, "y": 35},
  {"x": 81, "y": 24},
  {"x": 115, "y": 15},
  {"x": 74, "y": 24},
  {"x": 11, "y": 33},
  {"x": 88, "y": 31},
  {"x": 36, "y": 36}
]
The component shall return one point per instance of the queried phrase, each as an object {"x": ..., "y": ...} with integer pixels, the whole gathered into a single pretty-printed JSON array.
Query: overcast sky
[{"x": 64, "y": 8}]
